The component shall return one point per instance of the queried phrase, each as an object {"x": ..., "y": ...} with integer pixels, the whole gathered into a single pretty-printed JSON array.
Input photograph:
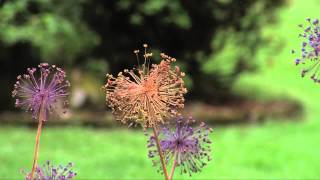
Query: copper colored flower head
[{"x": 146, "y": 95}]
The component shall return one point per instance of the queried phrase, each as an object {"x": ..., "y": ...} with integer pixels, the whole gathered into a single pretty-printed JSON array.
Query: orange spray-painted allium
[{"x": 146, "y": 95}]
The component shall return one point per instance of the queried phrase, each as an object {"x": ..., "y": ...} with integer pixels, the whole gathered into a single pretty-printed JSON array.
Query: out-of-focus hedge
[{"x": 244, "y": 112}]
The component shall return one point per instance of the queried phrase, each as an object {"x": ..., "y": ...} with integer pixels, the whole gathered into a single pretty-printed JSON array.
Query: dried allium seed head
[
  {"x": 51, "y": 172},
  {"x": 146, "y": 95},
  {"x": 47, "y": 89},
  {"x": 190, "y": 146},
  {"x": 310, "y": 49}
]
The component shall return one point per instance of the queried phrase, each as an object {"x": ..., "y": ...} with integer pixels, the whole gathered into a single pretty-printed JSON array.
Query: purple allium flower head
[
  {"x": 51, "y": 172},
  {"x": 45, "y": 86},
  {"x": 190, "y": 147},
  {"x": 310, "y": 49}
]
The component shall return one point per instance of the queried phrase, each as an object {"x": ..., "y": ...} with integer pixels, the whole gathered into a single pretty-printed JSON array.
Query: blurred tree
[
  {"x": 213, "y": 40},
  {"x": 53, "y": 28},
  {"x": 41, "y": 30}
]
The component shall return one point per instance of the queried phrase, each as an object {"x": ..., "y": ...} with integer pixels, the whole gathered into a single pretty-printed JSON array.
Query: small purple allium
[
  {"x": 44, "y": 87},
  {"x": 190, "y": 147},
  {"x": 310, "y": 49},
  {"x": 51, "y": 172}
]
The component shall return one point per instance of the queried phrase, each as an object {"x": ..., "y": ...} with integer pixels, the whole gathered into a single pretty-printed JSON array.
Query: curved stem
[
  {"x": 160, "y": 154},
  {"x": 173, "y": 166},
  {"x": 36, "y": 148}
]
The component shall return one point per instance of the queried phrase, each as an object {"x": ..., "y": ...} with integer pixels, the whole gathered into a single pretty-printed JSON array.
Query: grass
[
  {"x": 283, "y": 150},
  {"x": 275, "y": 149}
]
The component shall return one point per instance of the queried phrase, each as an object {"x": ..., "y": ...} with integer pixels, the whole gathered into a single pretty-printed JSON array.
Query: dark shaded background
[{"x": 95, "y": 37}]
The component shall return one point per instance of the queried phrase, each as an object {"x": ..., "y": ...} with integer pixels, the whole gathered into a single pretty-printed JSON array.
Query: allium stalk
[
  {"x": 50, "y": 172},
  {"x": 41, "y": 95},
  {"x": 174, "y": 165},
  {"x": 310, "y": 49},
  {"x": 189, "y": 148},
  {"x": 163, "y": 164},
  {"x": 36, "y": 148}
]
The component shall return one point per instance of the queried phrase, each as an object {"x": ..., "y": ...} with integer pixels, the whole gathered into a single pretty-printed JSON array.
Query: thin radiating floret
[
  {"x": 43, "y": 88},
  {"x": 310, "y": 49},
  {"x": 190, "y": 147},
  {"x": 146, "y": 95},
  {"x": 50, "y": 172}
]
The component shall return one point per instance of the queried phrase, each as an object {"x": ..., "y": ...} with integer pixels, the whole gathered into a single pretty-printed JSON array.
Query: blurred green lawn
[{"x": 271, "y": 150}]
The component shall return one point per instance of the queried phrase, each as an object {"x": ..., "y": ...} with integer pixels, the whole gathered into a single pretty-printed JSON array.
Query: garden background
[{"x": 240, "y": 74}]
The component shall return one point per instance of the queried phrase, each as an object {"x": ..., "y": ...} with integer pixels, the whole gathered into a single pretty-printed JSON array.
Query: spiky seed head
[
  {"x": 45, "y": 87},
  {"x": 146, "y": 95},
  {"x": 310, "y": 49},
  {"x": 191, "y": 147},
  {"x": 50, "y": 172}
]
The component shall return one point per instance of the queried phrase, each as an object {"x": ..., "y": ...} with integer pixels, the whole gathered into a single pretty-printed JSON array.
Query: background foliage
[{"x": 214, "y": 41}]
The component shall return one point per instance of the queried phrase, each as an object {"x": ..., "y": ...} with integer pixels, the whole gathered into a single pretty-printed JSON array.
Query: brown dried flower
[{"x": 146, "y": 95}]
